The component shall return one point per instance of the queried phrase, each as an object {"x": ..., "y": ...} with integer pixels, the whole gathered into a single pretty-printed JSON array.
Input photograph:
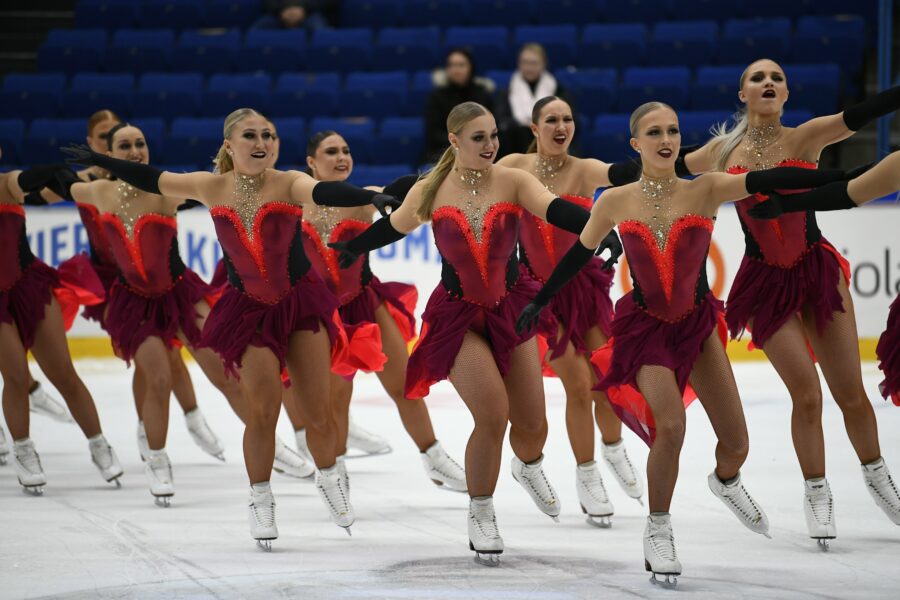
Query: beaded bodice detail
[
  {"x": 14, "y": 247},
  {"x": 544, "y": 245},
  {"x": 473, "y": 196},
  {"x": 345, "y": 283},
  {"x": 761, "y": 146},
  {"x": 147, "y": 256},
  {"x": 548, "y": 168},
  {"x": 247, "y": 199}
]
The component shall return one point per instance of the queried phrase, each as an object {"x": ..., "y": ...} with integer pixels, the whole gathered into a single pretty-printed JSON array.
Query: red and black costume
[{"x": 888, "y": 352}]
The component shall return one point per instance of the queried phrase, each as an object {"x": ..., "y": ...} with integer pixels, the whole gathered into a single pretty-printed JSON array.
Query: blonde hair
[
  {"x": 223, "y": 161},
  {"x": 458, "y": 118},
  {"x": 642, "y": 111},
  {"x": 725, "y": 139},
  {"x": 100, "y": 116},
  {"x": 537, "y": 49}
]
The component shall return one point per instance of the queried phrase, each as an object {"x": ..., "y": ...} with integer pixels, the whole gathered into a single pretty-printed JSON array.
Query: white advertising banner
[{"x": 869, "y": 238}]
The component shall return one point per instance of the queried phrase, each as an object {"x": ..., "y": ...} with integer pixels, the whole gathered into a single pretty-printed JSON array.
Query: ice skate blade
[
  {"x": 265, "y": 544},
  {"x": 347, "y": 529},
  {"x": 3, "y": 459},
  {"x": 486, "y": 558},
  {"x": 447, "y": 488},
  {"x": 116, "y": 481},
  {"x": 162, "y": 501},
  {"x": 669, "y": 583},
  {"x": 823, "y": 543},
  {"x": 34, "y": 490},
  {"x": 640, "y": 500},
  {"x": 603, "y": 522},
  {"x": 219, "y": 456},
  {"x": 362, "y": 454}
]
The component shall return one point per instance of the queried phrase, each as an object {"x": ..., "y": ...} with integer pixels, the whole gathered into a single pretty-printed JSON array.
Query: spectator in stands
[
  {"x": 98, "y": 127},
  {"x": 531, "y": 82},
  {"x": 293, "y": 14},
  {"x": 455, "y": 84}
]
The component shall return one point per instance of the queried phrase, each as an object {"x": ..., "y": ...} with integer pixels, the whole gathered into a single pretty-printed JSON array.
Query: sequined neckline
[
  {"x": 324, "y": 219},
  {"x": 547, "y": 168},
  {"x": 656, "y": 194},
  {"x": 762, "y": 145}
]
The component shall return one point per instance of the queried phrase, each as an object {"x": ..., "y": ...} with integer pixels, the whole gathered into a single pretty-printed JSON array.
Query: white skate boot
[
  {"x": 368, "y": 443},
  {"x": 735, "y": 497},
  {"x": 202, "y": 435},
  {"x": 659, "y": 550},
  {"x": 42, "y": 403},
  {"x": 484, "y": 538},
  {"x": 443, "y": 470},
  {"x": 4, "y": 448},
  {"x": 287, "y": 462},
  {"x": 159, "y": 474},
  {"x": 818, "y": 506},
  {"x": 336, "y": 497},
  {"x": 341, "y": 465},
  {"x": 616, "y": 458},
  {"x": 592, "y": 495},
  {"x": 302, "y": 446},
  {"x": 532, "y": 478},
  {"x": 143, "y": 445},
  {"x": 104, "y": 457},
  {"x": 28, "y": 467},
  {"x": 262, "y": 515},
  {"x": 883, "y": 489}
]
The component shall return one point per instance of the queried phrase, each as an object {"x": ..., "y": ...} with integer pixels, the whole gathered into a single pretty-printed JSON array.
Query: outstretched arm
[
  {"x": 722, "y": 187},
  {"x": 831, "y": 129}
]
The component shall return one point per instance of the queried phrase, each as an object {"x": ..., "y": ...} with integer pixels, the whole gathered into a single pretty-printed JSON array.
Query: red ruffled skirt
[
  {"x": 132, "y": 317},
  {"x": 84, "y": 283},
  {"x": 888, "y": 352},
  {"x": 771, "y": 295},
  {"x": 640, "y": 339},
  {"x": 237, "y": 321},
  {"x": 447, "y": 319},
  {"x": 25, "y": 302}
]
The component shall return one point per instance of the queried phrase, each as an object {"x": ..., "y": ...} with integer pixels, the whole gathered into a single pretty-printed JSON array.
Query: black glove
[
  {"x": 790, "y": 178},
  {"x": 378, "y": 234},
  {"x": 144, "y": 177},
  {"x": 34, "y": 198},
  {"x": 859, "y": 115},
  {"x": 614, "y": 245},
  {"x": 567, "y": 216},
  {"x": 346, "y": 257},
  {"x": 340, "y": 193},
  {"x": 833, "y": 196},
  {"x": 629, "y": 171},
  {"x": 401, "y": 186},
  {"x": 79, "y": 154},
  {"x": 39, "y": 176},
  {"x": 383, "y": 201},
  {"x": 529, "y": 317}
]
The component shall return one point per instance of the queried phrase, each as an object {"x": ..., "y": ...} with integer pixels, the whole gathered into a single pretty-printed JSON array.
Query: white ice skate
[
  {"x": 105, "y": 458},
  {"x": 262, "y": 515},
  {"x": 883, "y": 489},
  {"x": 592, "y": 495},
  {"x": 335, "y": 496},
  {"x": 484, "y": 538},
  {"x": 738, "y": 500},
  {"x": 202, "y": 435},
  {"x": 616, "y": 458},
  {"x": 818, "y": 506},
  {"x": 4, "y": 448},
  {"x": 659, "y": 550},
  {"x": 143, "y": 445},
  {"x": 287, "y": 462},
  {"x": 341, "y": 465},
  {"x": 532, "y": 478},
  {"x": 159, "y": 474},
  {"x": 443, "y": 470},
  {"x": 28, "y": 467},
  {"x": 302, "y": 446},
  {"x": 42, "y": 403},
  {"x": 368, "y": 443}
]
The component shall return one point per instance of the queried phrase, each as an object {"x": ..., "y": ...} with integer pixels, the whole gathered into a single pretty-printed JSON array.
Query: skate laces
[
  {"x": 332, "y": 487},
  {"x": 161, "y": 468},
  {"x": 820, "y": 503},
  {"x": 102, "y": 455},
  {"x": 446, "y": 466},
  {"x": 536, "y": 479},
  {"x": 619, "y": 461},
  {"x": 662, "y": 540},
  {"x": 29, "y": 459},
  {"x": 485, "y": 520},
  {"x": 286, "y": 454},
  {"x": 738, "y": 496},
  {"x": 882, "y": 484},
  {"x": 263, "y": 508},
  {"x": 592, "y": 482}
]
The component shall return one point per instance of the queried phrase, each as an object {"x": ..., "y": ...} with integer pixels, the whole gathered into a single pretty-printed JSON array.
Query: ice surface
[{"x": 86, "y": 539}]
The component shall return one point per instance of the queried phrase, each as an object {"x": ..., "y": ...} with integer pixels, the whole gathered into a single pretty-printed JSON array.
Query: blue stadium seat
[
  {"x": 232, "y": 13},
  {"x": 504, "y": 12},
  {"x": 613, "y": 45},
  {"x": 340, "y": 50},
  {"x": 140, "y": 50},
  {"x": 375, "y": 14},
  {"x": 778, "y": 8},
  {"x": 375, "y": 95},
  {"x": 683, "y": 42},
  {"x": 12, "y": 134},
  {"x": 422, "y": 13},
  {"x": 591, "y": 91},
  {"x": 198, "y": 51},
  {"x": 564, "y": 12},
  {"x": 793, "y": 118},
  {"x": 815, "y": 88},
  {"x": 45, "y": 136},
  {"x": 644, "y": 84},
  {"x": 679, "y": 10},
  {"x": 72, "y": 50},
  {"x": 89, "y": 92},
  {"x": 106, "y": 14},
  {"x": 407, "y": 49},
  {"x": 837, "y": 40},
  {"x": 419, "y": 90},
  {"x": 868, "y": 10},
  {"x": 299, "y": 94},
  {"x": 193, "y": 141},
  {"x": 717, "y": 88},
  {"x": 500, "y": 77},
  {"x": 272, "y": 51},
  {"x": 489, "y": 45},
  {"x": 629, "y": 11},
  {"x": 695, "y": 125},
  {"x": 560, "y": 41},
  {"x": 176, "y": 14},
  {"x": 168, "y": 95},
  {"x": 609, "y": 140},
  {"x": 399, "y": 140},
  {"x": 30, "y": 95},
  {"x": 358, "y": 133},
  {"x": 746, "y": 40},
  {"x": 377, "y": 175},
  {"x": 226, "y": 93},
  {"x": 292, "y": 140}
]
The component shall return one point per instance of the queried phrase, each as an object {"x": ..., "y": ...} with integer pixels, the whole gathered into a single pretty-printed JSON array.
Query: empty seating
[
  {"x": 194, "y": 141},
  {"x": 830, "y": 39},
  {"x": 407, "y": 49},
  {"x": 489, "y": 44},
  {"x": 45, "y": 136},
  {"x": 609, "y": 140},
  {"x": 106, "y": 14},
  {"x": 591, "y": 91},
  {"x": 645, "y": 84},
  {"x": 305, "y": 94},
  {"x": 206, "y": 53},
  {"x": 12, "y": 134},
  {"x": 814, "y": 87},
  {"x": 399, "y": 140},
  {"x": 374, "y": 94},
  {"x": 746, "y": 40},
  {"x": 716, "y": 87},
  {"x": 29, "y": 96},
  {"x": 168, "y": 95},
  {"x": 340, "y": 50},
  {"x": 72, "y": 50},
  {"x": 90, "y": 92},
  {"x": 613, "y": 46},
  {"x": 272, "y": 50},
  {"x": 370, "y": 13},
  {"x": 140, "y": 50},
  {"x": 420, "y": 13},
  {"x": 684, "y": 43},
  {"x": 226, "y": 93},
  {"x": 560, "y": 41}
]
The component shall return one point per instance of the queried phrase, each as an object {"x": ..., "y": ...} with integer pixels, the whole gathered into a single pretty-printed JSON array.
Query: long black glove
[
  {"x": 34, "y": 198},
  {"x": 340, "y": 193},
  {"x": 629, "y": 171},
  {"x": 612, "y": 243},
  {"x": 577, "y": 256},
  {"x": 144, "y": 177},
  {"x": 833, "y": 196},
  {"x": 399, "y": 187},
  {"x": 859, "y": 115},
  {"x": 790, "y": 178},
  {"x": 378, "y": 234},
  {"x": 58, "y": 178},
  {"x": 567, "y": 216}
]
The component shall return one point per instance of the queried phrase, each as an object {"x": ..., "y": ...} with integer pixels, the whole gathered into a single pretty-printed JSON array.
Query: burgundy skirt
[
  {"x": 25, "y": 302},
  {"x": 888, "y": 352},
  {"x": 132, "y": 317},
  {"x": 237, "y": 321},
  {"x": 772, "y": 295},
  {"x": 447, "y": 319},
  {"x": 84, "y": 283},
  {"x": 581, "y": 304}
]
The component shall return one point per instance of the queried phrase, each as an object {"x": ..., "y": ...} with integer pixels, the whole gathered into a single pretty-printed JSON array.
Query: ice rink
[{"x": 86, "y": 539}]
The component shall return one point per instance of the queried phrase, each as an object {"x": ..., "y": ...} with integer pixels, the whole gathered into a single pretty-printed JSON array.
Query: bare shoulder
[
  {"x": 614, "y": 201},
  {"x": 515, "y": 161}
]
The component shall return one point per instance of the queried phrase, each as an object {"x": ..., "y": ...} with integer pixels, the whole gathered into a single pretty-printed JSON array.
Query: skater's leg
[
  {"x": 308, "y": 362},
  {"x": 290, "y": 407},
  {"x": 609, "y": 423},
  {"x": 260, "y": 381},
  {"x": 341, "y": 392},
  {"x": 575, "y": 374},
  {"x": 153, "y": 358},
  {"x": 182, "y": 386},
  {"x": 527, "y": 412},
  {"x": 14, "y": 369},
  {"x": 138, "y": 387}
]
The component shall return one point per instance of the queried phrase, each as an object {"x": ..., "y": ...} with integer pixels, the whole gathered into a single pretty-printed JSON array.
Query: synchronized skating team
[{"x": 524, "y": 292}]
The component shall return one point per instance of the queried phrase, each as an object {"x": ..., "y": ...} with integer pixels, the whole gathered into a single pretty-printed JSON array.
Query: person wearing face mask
[
  {"x": 457, "y": 83},
  {"x": 664, "y": 330},
  {"x": 468, "y": 335},
  {"x": 791, "y": 291},
  {"x": 583, "y": 308},
  {"x": 378, "y": 318},
  {"x": 276, "y": 312}
]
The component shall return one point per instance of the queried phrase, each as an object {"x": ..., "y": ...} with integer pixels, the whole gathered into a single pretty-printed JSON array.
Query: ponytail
[
  {"x": 726, "y": 140},
  {"x": 433, "y": 180},
  {"x": 223, "y": 161}
]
